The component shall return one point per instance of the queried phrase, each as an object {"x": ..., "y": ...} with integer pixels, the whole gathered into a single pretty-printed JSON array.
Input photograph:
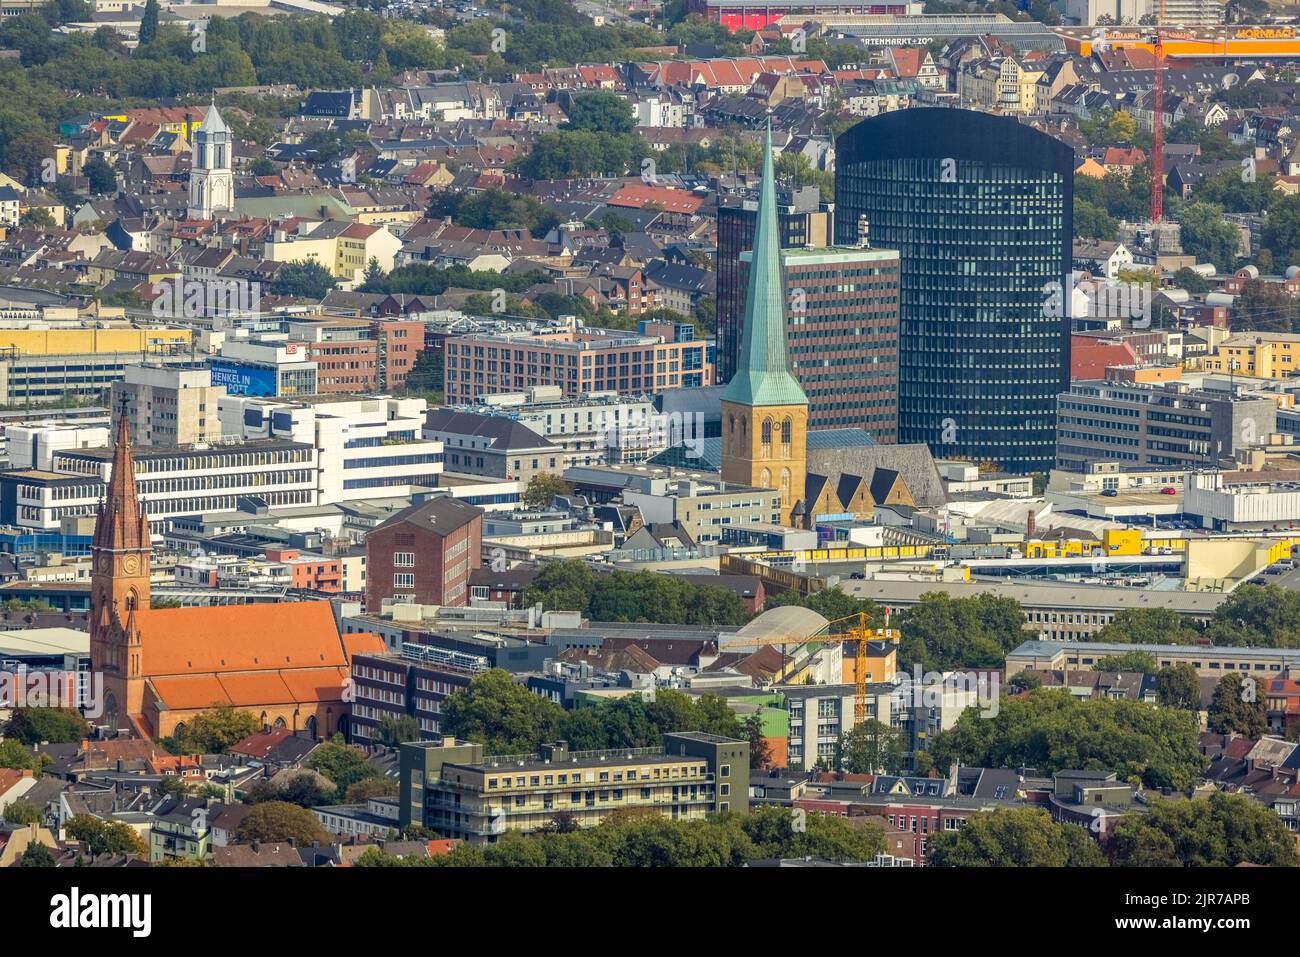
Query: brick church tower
[{"x": 120, "y": 553}]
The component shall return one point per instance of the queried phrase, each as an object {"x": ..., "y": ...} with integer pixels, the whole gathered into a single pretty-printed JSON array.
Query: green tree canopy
[
  {"x": 22, "y": 812},
  {"x": 509, "y": 719},
  {"x": 601, "y": 112},
  {"x": 16, "y": 757},
  {"x": 280, "y": 821},
  {"x": 1178, "y": 687},
  {"x": 393, "y": 730},
  {"x": 644, "y": 838},
  {"x": 1148, "y": 626},
  {"x": 542, "y": 489},
  {"x": 1014, "y": 837},
  {"x": 149, "y": 23},
  {"x": 1207, "y": 236},
  {"x": 55, "y": 725},
  {"x": 872, "y": 747},
  {"x": 941, "y": 633},
  {"x": 1050, "y": 730},
  {"x": 1222, "y": 830},
  {"x": 632, "y": 596},
  {"x": 214, "y": 731},
  {"x": 1257, "y": 615},
  {"x": 37, "y": 855},
  {"x": 1192, "y": 281},
  {"x": 1140, "y": 661},
  {"x": 306, "y": 280},
  {"x": 342, "y": 763},
  {"x": 106, "y": 837},
  {"x": 502, "y": 714},
  {"x": 1238, "y": 707}
]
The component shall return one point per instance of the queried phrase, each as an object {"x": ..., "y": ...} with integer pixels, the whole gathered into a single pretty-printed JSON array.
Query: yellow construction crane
[{"x": 860, "y": 634}]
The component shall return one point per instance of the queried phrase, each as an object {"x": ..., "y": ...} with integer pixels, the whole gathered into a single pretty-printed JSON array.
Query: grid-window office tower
[
  {"x": 979, "y": 208},
  {"x": 803, "y": 220}
]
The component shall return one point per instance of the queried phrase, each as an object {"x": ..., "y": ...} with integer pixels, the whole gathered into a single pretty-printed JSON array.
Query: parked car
[
  {"x": 1109, "y": 492},
  {"x": 1169, "y": 490}
]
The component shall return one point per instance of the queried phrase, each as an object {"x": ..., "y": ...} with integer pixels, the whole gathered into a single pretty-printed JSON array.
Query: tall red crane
[
  {"x": 1158, "y": 121},
  {"x": 1158, "y": 129}
]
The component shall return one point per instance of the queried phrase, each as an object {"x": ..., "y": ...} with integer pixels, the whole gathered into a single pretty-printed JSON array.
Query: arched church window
[{"x": 787, "y": 427}]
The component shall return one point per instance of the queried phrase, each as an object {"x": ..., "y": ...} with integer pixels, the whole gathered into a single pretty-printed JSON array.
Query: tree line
[{"x": 642, "y": 837}]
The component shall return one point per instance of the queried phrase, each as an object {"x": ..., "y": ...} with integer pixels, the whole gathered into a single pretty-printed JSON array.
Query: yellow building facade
[
  {"x": 1263, "y": 355},
  {"x": 49, "y": 342}
]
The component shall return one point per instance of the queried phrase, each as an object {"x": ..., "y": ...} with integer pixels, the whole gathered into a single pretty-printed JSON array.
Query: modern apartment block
[
  {"x": 169, "y": 405},
  {"x": 452, "y": 787},
  {"x": 621, "y": 427},
  {"x": 842, "y": 330},
  {"x": 1158, "y": 424},
  {"x": 578, "y": 360},
  {"x": 819, "y": 714},
  {"x": 804, "y": 221},
  {"x": 980, "y": 209}
]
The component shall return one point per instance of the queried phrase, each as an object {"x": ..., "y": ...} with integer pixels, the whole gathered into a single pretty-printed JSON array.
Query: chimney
[{"x": 1031, "y": 525}]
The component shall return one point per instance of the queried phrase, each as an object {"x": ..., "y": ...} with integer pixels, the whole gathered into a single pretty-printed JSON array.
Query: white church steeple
[{"x": 212, "y": 186}]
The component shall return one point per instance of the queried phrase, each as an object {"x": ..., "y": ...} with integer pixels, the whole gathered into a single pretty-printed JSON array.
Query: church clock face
[
  {"x": 104, "y": 563},
  {"x": 131, "y": 564}
]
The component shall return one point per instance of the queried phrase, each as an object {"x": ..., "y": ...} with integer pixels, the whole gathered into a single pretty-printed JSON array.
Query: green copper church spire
[{"x": 763, "y": 368}]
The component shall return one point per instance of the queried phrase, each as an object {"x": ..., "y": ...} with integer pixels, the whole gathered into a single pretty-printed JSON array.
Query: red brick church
[{"x": 285, "y": 662}]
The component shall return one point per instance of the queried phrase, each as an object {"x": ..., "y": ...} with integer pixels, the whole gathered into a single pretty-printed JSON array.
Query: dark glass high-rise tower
[{"x": 979, "y": 208}]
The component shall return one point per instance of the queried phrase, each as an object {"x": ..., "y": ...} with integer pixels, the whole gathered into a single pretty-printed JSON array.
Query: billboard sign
[{"x": 242, "y": 379}]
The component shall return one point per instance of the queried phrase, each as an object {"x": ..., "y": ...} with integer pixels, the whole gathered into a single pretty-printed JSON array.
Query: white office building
[
  {"x": 32, "y": 446},
  {"x": 623, "y": 428},
  {"x": 276, "y": 455},
  {"x": 367, "y": 446}
]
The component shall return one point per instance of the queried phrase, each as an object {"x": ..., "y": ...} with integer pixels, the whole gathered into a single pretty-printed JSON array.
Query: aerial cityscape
[{"x": 660, "y": 433}]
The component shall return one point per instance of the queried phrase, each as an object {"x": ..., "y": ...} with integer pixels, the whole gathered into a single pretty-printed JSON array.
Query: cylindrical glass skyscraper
[{"x": 979, "y": 207}]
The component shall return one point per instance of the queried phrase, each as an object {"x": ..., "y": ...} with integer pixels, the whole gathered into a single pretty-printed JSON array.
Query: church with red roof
[{"x": 285, "y": 662}]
